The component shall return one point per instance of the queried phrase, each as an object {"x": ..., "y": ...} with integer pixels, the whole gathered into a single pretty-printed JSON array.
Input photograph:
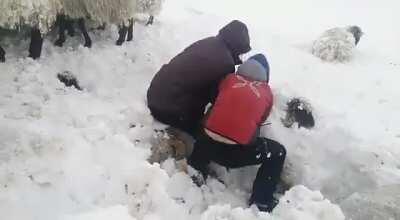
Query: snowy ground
[{"x": 72, "y": 155}]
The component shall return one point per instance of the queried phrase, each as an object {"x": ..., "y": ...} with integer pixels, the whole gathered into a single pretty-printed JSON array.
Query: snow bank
[
  {"x": 69, "y": 154},
  {"x": 115, "y": 212},
  {"x": 382, "y": 203}
]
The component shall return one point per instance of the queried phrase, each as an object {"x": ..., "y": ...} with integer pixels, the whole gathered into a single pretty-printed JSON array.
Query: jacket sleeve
[
  {"x": 266, "y": 114},
  {"x": 213, "y": 94},
  {"x": 215, "y": 90},
  {"x": 267, "y": 110}
]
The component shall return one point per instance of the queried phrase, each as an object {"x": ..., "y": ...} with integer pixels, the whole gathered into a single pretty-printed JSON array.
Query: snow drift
[{"x": 70, "y": 154}]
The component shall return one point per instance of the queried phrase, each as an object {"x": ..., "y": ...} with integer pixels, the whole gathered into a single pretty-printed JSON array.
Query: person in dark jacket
[
  {"x": 181, "y": 90},
  {"x": 229, "y": 135}
]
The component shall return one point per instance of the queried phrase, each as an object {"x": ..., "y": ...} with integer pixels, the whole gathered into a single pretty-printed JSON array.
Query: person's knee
[
  {"x": 277, "y": 150},
  {"x": 282, "y": 151}
]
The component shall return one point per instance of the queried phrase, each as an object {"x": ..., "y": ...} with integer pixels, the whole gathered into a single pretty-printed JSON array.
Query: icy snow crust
[{"x": 74, "y": 155}]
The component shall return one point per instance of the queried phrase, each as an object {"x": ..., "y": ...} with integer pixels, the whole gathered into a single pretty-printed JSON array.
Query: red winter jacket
[{"x": 241, "y": 107}]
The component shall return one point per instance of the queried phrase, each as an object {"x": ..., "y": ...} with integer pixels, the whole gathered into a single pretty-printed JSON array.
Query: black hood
[{"x": 236, "y": 36}]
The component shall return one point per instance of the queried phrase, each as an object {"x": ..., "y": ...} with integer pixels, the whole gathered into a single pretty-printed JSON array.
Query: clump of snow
[
  {"x": 115, "y": 212},
  {"x": 382, "y": 203},
  {"x": 301, "y": 203}
]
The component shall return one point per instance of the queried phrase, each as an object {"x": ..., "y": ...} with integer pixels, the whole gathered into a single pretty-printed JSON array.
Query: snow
[{"x": 69, "y": 154}]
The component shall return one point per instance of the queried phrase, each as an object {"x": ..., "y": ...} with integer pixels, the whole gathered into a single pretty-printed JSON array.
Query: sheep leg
[
  {"x": 122, "y": 34},
  {"x": 62, "y": 25},
  {"x": 130, "y": 30},
  {"x": 82, "y": 27},
  {"x": 102, "y": 27},
  {"x": 35, "y": 48},
  {"x": 69, "y": 25},
  {"x": 2, "y": 55},
  {"x": 150, "y": 21}
]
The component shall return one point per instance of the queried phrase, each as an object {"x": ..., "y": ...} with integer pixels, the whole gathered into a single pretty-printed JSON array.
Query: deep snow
[{"x": 69, "y": 154}]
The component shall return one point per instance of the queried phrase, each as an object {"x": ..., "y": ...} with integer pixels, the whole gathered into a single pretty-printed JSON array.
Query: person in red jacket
[{"x": 229, "y": 135}]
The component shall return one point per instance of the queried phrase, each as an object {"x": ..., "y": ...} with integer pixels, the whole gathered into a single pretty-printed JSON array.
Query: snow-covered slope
[{"x": 71, "y": 155}]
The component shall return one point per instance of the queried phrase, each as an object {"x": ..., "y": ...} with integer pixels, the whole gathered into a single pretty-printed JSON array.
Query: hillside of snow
[{"x": 81, "y": 155}]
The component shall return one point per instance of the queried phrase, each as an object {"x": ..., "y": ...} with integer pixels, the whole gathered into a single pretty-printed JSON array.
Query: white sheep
[
  {"x": 42, "y": 14},
  {"x": 99, "y": 12},
  {"x": 150, "y": 7},
  {"x": 39, "y": 15},
  {"x": 69, "y": 12},
  {"x": 111, "y": 11},
  {"x": 119, "y": 12},
  {"x": 337, "y": 44}
]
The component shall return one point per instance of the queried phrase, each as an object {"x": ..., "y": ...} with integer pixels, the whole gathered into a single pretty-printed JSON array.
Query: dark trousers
[
  {"x": 269, "y": 153},
  {"x": 184, "y": 123}
]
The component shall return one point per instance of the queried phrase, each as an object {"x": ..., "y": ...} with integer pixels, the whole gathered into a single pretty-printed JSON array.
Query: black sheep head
[
  {"x": 299, "y": 111},
  {"x": 357, "y": 32}
]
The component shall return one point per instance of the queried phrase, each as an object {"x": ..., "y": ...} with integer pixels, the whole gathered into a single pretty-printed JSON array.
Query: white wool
[
  {"x": 334, "y": 44},
  {"x": 151, "y": 7},
  {"x": 74, "y": 8},
  {"x": 111, "y": 11},
  {"x": 43, "y": 13},
  {"x": 38, "y": 13}
]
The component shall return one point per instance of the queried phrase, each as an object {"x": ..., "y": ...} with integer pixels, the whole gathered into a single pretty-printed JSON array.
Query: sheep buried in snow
[
  {"x": 298, "y": 111},
  {"x": 337, "y": 44}
]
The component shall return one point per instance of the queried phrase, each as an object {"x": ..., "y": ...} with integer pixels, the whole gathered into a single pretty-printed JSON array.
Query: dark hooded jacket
[{"x": 185, "y": 85}]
